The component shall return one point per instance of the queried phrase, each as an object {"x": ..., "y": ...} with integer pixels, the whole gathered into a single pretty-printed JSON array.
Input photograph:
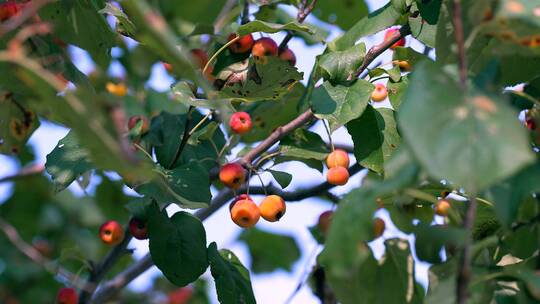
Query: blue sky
[{"x": 271, "y": 288}]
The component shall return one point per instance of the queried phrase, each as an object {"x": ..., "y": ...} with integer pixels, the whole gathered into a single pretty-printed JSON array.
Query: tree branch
[
  {"x": 279, "y": 133},
  {"x": 464, "y": 271},
  {"x": 464, "y": 275},
  {"x": 303, "y": 12},
  {"x": 34, "y": 255},
  {"x": 377, "y": 50},
  {"x": 99, "y": 271},
  {"x": 110, "y": 288},
  {"x": 458, "y": 32},
  {"x": 24, "y": 172}
]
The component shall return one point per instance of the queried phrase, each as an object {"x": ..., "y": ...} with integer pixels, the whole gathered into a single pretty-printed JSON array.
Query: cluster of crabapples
[
  {"x": 112, "y": 232},
  {"x": 244, "y": 212}
]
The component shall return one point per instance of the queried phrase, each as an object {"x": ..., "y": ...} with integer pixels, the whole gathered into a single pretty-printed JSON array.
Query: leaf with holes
[
  {"x": 17, "y": 123},
  {"x": 269, "y": 78}
]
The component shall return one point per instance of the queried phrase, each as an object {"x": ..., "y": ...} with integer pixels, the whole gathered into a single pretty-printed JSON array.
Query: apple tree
[{"x": 444, "y": 134}]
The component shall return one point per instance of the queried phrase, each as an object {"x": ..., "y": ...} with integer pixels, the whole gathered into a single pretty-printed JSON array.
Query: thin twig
[
  {"x": 303, "y": 12},
  {"x": 375, "y": 51}
]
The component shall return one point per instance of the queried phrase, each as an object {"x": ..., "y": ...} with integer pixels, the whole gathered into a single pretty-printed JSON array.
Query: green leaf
[
  {"x": 482, "y": 133},
  {"x": 390, "y": 280},
  {"x": 270, "y": 78},
  {"x": 408, "y": 54},
  {"x": 233, "y": 283},
  {"x": 270, "y": 251},
  {"x": 16, "y": 126},
  {"x": 280, "y": 15},
  {"x": 283, "y": 178},
  {"x": 396, "y": 91},
  {"x": 187, "y": 185},
  {"x": 67, "y": 161},
  {"x": 203, "y": 11},
  {"x": 303, "y": 144},
  {"x": 267, "y": 27},
  {"x": 166, "y": 134},
  {"x": 508, "y": 195},
  {"x": 341, "y": 104},
  {"x": 394, "y": 73},
  {"x": 267, "y": 116},
  {"x": 183, "y": 93},
  {"x": 429, "y": 10},
  {"x": 375, "y": 137},
  {"x": 122, "y": 20},
  {"x": 342, "y": 13},
  {"x": 80, "y": 23},
  {"x": 376, "y": 21},
  {"x": 338, "y": 66},
  {"x": 430, "y": 240},
  {"x": 177, "y": 245},
  {"x": 157, "y": 102},
  {"x": 352, "y": 225},
  {"x": 423, "y": 31}
]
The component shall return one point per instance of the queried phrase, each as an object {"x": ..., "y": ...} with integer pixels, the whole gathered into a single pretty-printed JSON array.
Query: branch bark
[
  {"x": 24, "y": 172},
  {"x": 279, "y": 133},
  {"x": 460, "y": 41},
  {"x": 464, "y": 271}
]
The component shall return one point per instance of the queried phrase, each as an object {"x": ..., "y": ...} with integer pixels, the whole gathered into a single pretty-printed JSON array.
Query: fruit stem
[
  {"x": 378, "y": 78},
  {"x": 226, "y": 45},
  {"x": 259, "y": 162},
  {"x": 143, "y": 151},
  {"x": 327, "y": 128},
  {"x": 421, "y": 195},
  {"x": 262, "y": 183},
  {"x": 200, "y": 123}
]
